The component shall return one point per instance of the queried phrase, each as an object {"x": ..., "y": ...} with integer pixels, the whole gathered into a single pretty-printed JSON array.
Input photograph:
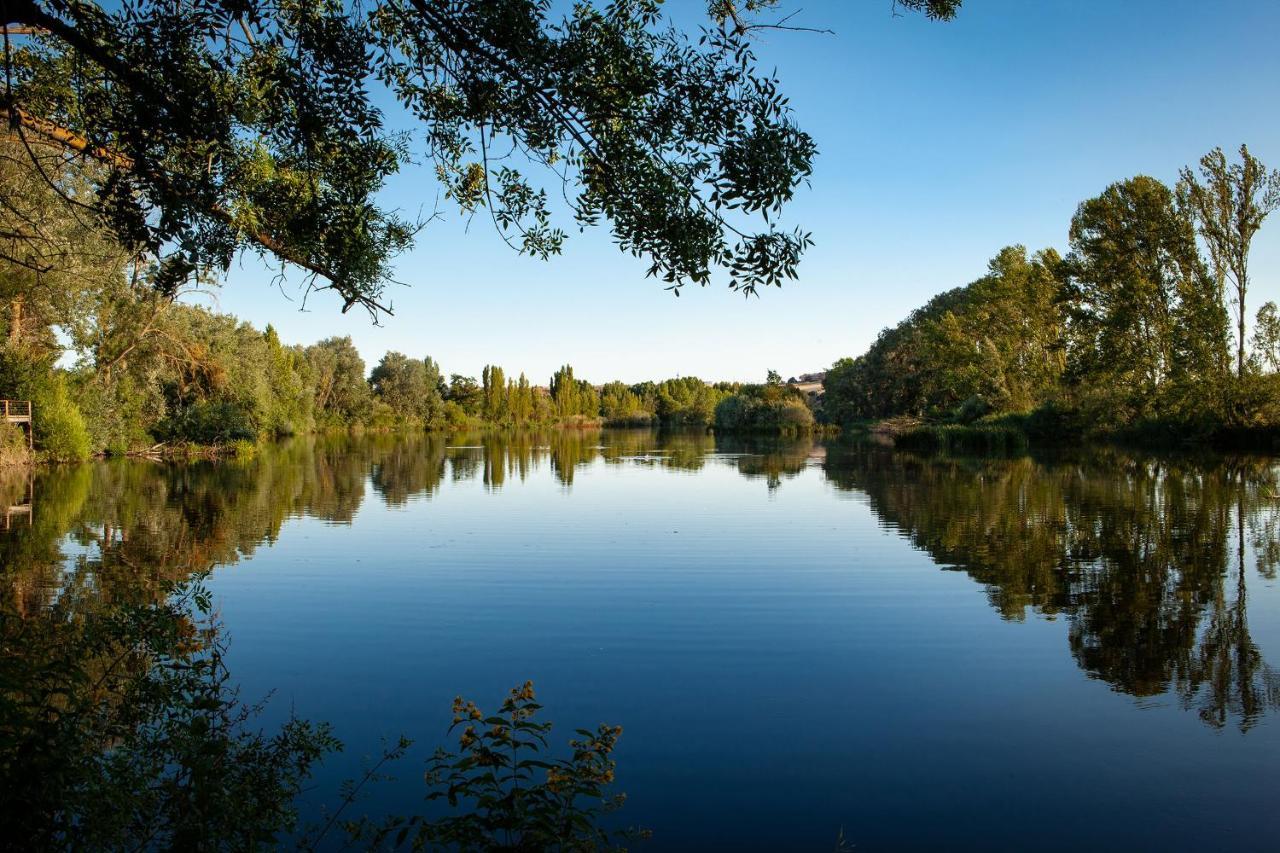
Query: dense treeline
[
  {"x": 116, "y": 359},
  {"x": 201, "y": 378},
  {"x": 1128, "y": 333},
  {"x": 183, "y": 375}
]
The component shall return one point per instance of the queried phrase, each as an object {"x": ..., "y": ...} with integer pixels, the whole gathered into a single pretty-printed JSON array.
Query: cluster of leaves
[
  {"x": 1128, "y": 332},
  {"x": 996, "y": 344},
  {"x": 219, "y": 126},
  {"x": 510, "y": 794},
  {"x": 222, "y": 126},
  {"x": 771, "y": 409}
]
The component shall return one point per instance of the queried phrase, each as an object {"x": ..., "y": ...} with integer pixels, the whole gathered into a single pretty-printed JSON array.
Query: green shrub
[
  {"x": 210, "y": 422},
  {"x": 455, "y": 418},
  {"x": 117, "y": 411},
  {"x": 242, "y": 449},
  {"x": 13, "y": 446},
  {"x": 1252, "y": 402},
  {"x": 505, "y": 792},
  {"x": 972, "y": 409},
  {"x": 1055, "y": 423},
  {"x": 636, "y": 419},
  {"x": 60, "y": 430},
  {"x": 750, "y": 411},
  {"x": 383, "y": 417}
]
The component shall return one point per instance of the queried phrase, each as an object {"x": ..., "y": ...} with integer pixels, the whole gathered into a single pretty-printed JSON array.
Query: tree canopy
[
  {"x": 225, "y": 125},
  {"x": 1228, "y": 202},
  {"x": 1128, "y": 332}
]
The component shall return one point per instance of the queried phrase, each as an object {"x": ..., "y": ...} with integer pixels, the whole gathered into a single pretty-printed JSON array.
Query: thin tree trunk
[
  {"x": 15, "y": 321},
  {"x": 1240, "y": 335},
  {"x": 1241, "y": 264}
]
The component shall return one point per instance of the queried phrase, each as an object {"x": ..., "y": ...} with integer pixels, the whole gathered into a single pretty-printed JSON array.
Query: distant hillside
[{"x": 809, "y": 383}]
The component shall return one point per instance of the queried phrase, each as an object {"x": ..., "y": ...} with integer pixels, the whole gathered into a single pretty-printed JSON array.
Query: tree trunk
[
  {"x": 15, "y": 322},
  {"x": 1240, "y": 336}
]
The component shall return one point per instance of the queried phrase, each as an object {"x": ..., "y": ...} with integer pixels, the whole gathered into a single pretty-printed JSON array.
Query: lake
[{"x": 799, "y": 638}]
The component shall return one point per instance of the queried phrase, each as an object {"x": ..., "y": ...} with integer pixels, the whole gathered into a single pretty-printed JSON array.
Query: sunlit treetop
[{"x": 224, "y": 125}]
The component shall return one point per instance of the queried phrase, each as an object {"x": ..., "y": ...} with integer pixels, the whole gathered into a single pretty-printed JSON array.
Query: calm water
[{"x": 1065, "y": 653}]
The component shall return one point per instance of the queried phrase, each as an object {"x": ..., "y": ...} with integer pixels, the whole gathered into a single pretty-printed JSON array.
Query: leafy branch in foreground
[
  {"x": 510, "y": 795},
  {"x": 219, "y": 127}
]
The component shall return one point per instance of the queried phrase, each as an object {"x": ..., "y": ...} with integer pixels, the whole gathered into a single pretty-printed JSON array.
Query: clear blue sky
[{"x": 939, "y": 144}]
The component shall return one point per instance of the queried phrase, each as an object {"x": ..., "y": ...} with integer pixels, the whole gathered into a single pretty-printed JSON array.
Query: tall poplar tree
[
  {"x": 494, "y": 384},
  {"x": 1138, "y": 288},
  {"x": 1229, "y": 202}
]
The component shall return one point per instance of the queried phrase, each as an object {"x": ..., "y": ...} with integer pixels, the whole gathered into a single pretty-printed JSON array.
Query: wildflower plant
[{"x": 504, "y": 793}]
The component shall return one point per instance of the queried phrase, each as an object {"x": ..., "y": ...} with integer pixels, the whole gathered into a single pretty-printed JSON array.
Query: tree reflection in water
[{"x": 1144, "y": 557}]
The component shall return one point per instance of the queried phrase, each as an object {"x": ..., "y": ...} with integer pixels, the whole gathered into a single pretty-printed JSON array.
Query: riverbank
[
  {"x": 14, "y": 449},
  {"x": 1012, "y": 434}
]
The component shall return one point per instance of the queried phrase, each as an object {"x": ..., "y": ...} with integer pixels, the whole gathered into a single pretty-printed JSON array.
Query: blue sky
[{"x": 939, "y": 144}]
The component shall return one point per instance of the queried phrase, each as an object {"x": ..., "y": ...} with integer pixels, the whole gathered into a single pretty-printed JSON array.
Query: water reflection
[{"x": 1145, "y": 558}]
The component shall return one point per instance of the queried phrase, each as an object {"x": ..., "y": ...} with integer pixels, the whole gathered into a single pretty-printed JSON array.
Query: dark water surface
[{"x": 797, "y": 637}]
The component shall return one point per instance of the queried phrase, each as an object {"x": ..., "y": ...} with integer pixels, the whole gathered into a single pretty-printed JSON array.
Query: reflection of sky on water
[{"x": 770, "y": 625}]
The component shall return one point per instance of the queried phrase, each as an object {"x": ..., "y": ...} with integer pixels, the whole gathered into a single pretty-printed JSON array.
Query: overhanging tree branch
[{"x": 73, "y": 141}]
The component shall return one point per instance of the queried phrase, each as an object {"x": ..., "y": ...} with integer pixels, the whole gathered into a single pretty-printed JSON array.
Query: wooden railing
[{"x": 16, "y": 411}]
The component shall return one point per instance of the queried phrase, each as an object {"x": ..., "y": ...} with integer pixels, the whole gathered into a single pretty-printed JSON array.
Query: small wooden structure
[{"x": 19, "y": 412}]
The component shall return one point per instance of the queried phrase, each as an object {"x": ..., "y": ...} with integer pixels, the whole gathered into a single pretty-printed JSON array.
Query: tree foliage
[
  {"x": 995, "y": 345},
  {"x": 504, "y": 792},
  {"x": 219, "y": 127},
  {"x": 342, "y": 395},
  {"x": 770, "y": 409},
  {"x": 1144, "y": 311},
  {"x": 1128, "y": 332},
  {"x": 409, "y": 387},
  {"x": 1229, "y": 202}
]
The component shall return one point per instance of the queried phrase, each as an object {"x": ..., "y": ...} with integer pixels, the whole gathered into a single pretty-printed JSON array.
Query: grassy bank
[
  {"x": 963, "y": 439},
  {"x": 1014, "y": 434}
]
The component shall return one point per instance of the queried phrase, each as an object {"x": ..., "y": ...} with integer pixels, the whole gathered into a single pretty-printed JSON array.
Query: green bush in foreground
[{"x": 510, "y": 795}]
